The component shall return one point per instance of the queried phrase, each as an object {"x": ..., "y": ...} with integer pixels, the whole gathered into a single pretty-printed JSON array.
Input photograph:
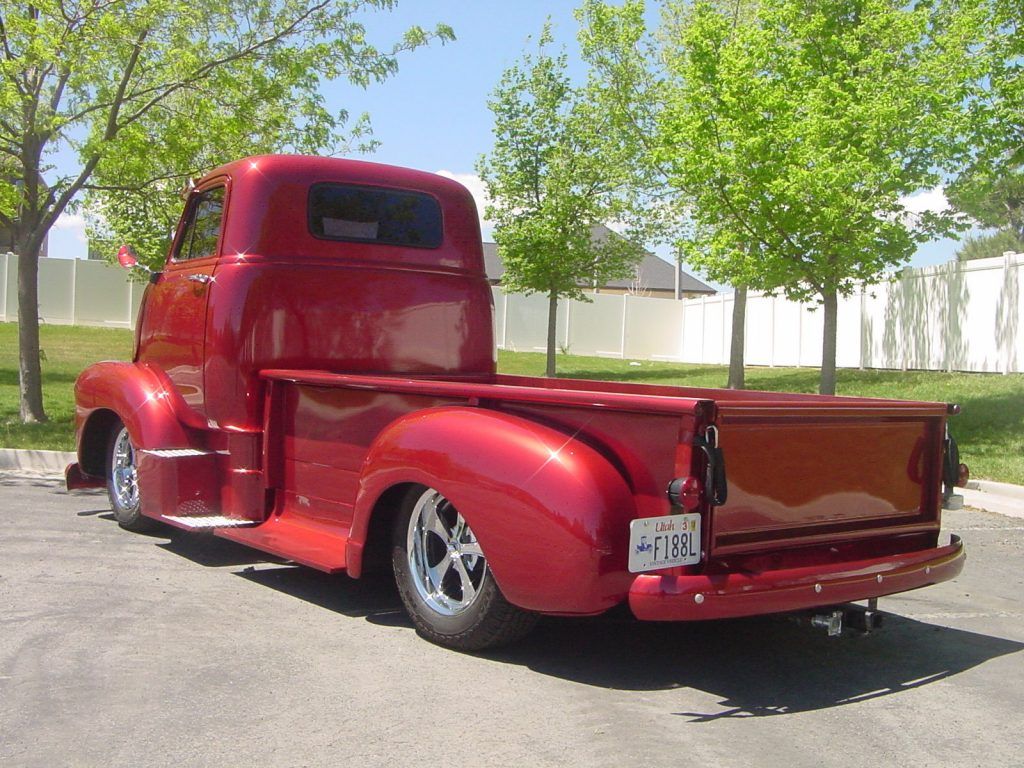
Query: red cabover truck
[{"x": 314, "y": 376}]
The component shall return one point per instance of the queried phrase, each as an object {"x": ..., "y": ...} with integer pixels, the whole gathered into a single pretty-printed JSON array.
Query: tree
[
  {"x": 993, "y": 196},
  {"x": 990, "y": 246},
  {"x": 630, "y": 82},
  {"x": 797, "y": 135},
  {"x": 134, "y": 87},
  {"x": 554, "y": 172},
  {"x": 990, "y": 184}
]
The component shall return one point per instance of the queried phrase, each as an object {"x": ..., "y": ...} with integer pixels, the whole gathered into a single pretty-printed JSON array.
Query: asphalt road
[{"x": 118, "y": 649}]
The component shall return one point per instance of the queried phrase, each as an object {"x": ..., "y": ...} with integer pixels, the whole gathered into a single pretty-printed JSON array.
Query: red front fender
[
  {"x": 141, "y": 396},
  {"x": 551, "y": 513},
  {"x": 144, "y": 399}
]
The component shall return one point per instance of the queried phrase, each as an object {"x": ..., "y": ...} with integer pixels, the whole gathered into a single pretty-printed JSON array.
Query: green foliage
[
  {"x": 990, "y": 184},
  {"x": 796, "y": 136},
  {"x": 554, "y": 173},
  {"x": 990, "y": 246},
  {"x": 266, "y": 101},
  {"x": 628, "y": 86},
  {"x": 155, "y": 90},
  {"x": 552, "y": 176},
  {"x": 630, "y": 80},
  {"x": 790, "y": 130},
  {"x": 148, "y": 93},
  {"x": 993, "y": 196}
]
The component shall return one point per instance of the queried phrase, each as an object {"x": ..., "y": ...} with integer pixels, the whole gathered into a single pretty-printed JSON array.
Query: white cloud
[
  {"x": 933, "y": 200},
  {"x": 73, "y": 223},
  {"x": 475, "y": 185}
]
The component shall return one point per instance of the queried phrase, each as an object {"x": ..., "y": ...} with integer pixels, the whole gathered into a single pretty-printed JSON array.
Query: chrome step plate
[
  {"x": 176, "y": 453},
  {"x": 210, "y": 521}
]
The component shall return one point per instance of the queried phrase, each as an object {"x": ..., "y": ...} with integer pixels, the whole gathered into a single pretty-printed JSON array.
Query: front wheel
[
  {"x": 123, "y": 482},
  {"x": 444, "y": 580}
]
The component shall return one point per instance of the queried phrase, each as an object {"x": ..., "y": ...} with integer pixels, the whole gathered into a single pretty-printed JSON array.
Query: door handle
[{"x": 200, "y": 278}]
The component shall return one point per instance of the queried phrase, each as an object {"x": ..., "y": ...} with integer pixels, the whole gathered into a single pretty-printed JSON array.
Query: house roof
[{"x": 654, "y": 273}]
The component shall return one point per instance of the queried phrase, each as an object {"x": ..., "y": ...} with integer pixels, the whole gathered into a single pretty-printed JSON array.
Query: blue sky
[{"x": 433, "y": 114}]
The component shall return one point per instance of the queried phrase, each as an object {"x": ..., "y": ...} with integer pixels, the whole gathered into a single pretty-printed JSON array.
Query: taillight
[{"x": 686, "y": 492}]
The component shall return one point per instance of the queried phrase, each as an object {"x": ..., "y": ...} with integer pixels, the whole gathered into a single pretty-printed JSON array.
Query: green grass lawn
[
  {"x": 990, "y": 429},
  {"x": 67, "y": 350}
]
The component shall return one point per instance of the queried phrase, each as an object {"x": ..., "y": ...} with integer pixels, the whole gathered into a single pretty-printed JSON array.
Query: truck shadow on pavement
[
  {"x": 372, "y": 597},
  {"x": 754, "y": 667},
  {"x": 207, "y": 550},
  {"x": 750, "y": 667}
]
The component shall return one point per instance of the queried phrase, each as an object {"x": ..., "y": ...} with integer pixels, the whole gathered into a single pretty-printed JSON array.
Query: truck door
[{"x": 174, "y": 329}]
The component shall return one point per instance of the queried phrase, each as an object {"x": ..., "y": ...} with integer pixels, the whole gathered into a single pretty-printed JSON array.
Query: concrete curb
[
  {"x": 997, "y": 489},
  {"x": 1010, "y": 505},
  {"x": 49, "y": 462}
]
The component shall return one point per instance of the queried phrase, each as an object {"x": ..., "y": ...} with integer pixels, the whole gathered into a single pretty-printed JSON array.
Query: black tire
[
  {"x": 463, "y": 609},
  {"x": 122, "y": 482}
]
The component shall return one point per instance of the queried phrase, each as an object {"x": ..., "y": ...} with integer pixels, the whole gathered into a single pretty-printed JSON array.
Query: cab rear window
[{"x": 374, "y": 215}]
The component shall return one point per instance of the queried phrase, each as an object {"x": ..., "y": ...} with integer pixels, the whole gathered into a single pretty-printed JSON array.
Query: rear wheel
[
  {"x": 123, "y": 482},
  {"x": 444, "y": 580}
]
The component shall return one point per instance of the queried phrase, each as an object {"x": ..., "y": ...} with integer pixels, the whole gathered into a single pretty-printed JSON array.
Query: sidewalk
[{"x": 987, "y": 495}]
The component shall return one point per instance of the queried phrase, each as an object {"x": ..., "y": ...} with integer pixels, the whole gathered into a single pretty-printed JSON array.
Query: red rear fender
[{"x": 551, "y": 513}]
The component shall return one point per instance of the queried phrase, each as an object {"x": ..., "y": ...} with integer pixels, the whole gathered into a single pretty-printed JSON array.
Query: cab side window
[{"x": 202, "y": 228}]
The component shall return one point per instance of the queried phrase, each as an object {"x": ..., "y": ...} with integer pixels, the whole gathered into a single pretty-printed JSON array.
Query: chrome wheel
[
  {"x": 447, "y": 566},
  {"x": 444, "y": 579},
  {"x": 124, "y": 478},
  {"x": 123, "y": 482}
]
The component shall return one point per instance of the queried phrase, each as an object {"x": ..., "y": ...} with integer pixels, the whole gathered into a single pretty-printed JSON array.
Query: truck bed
[{"x": 809, "y": 477}]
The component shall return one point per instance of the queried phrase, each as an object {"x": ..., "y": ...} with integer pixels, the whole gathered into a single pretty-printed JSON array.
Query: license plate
[{"x": 664, "y": 542}]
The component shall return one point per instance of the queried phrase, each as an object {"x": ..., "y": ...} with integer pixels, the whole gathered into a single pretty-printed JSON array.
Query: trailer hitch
[
  {"x": 856, "y": 617},
  {"x": 865, "y": 620}
]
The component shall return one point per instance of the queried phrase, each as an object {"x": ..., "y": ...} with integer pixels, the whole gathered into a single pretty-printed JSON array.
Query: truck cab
[{"x": 292, "y": 262}]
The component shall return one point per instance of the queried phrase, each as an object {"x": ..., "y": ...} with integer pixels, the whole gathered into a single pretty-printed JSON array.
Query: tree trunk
[
  {"x": 736, "y": 345},
  {"x": 552, "y": 327},
  {"x": 30, "y": 373},
  {"x": 827, "y": 386}
]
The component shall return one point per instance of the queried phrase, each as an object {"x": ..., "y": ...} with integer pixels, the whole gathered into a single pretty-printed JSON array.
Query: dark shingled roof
[{"x": 655, "y": 273}]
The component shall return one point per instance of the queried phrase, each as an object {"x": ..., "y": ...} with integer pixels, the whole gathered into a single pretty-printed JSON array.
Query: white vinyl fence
[
  {"x": 958, "y": 316},
  {"x": 74, "y": 292}
]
